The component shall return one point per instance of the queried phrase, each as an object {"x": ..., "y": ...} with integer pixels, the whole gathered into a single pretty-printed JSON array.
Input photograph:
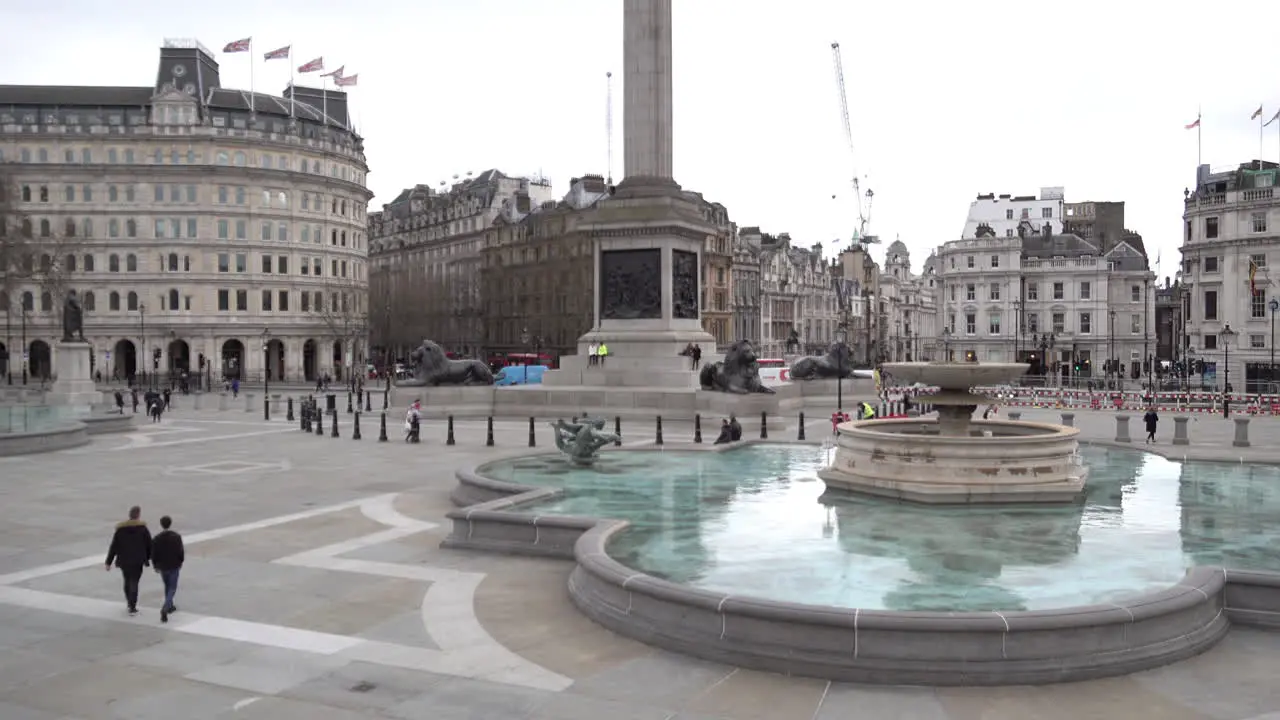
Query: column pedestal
[{"x": 74, "y": 387}]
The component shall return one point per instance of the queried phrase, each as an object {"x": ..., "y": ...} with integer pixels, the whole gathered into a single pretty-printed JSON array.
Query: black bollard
[
  {"x": 368, "y": 401},
  {"x": 617, "y": 430},
  {"x": 385, "y": 398},
  {"x": 382, "y": 431},
  {"x": 355, "y": 429},
  {"x": 266, "y": 408},
  {"x": 533, "y": 441},
  {"x": 657, "y": 439},
  {"x": 319, "y": 417},
  {"x": 488, "y": 435},
  {"x": 334, "y": 429},
  {"x": 289, "y": 405},
  {"x": 764, "y": 425},
  {"x": 302, "y": 418},
  {"x": 350, "y": 409},
  {"x": 449, "y": 439},
  {"x": 800, "y": 435},
  {"x": 697, "y": 428}
]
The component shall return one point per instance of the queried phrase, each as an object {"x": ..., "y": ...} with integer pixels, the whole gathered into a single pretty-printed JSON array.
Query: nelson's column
[{"x": 649, "y": 236}]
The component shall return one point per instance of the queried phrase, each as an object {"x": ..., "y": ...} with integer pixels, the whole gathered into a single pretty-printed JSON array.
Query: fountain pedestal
[
  {"x": 954, "y": 459},
  {"x": 74, "y": 386}
]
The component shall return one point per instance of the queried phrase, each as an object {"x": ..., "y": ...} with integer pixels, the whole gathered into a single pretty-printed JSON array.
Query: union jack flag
[
  {"x": 280, "y": 54},
  {"x": 238, "y": 46},
  {"x": 313, "y": 66}
]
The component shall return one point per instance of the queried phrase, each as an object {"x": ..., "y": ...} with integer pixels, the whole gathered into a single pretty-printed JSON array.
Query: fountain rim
[{"x": 867, "y": 429}]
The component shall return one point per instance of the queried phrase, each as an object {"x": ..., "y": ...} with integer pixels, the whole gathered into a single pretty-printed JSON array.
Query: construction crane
[{"x": 860, "y": 236}]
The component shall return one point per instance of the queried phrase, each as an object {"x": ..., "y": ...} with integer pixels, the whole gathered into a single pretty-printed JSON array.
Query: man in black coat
[
  {"x": 167, "y": 556},
  {"x": 130, "y": 551}
]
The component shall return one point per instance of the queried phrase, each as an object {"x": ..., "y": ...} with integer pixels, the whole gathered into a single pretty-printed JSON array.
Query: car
[{"x": 520, "y": 375}]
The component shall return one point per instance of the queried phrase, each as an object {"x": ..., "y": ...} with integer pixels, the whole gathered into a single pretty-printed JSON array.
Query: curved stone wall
[
  {"x": 65, "y": 437},
  {"x": 905, "y": 459}
]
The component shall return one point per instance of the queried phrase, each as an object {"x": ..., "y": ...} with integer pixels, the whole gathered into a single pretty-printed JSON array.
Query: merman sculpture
[{"x": 582, "y": 439}]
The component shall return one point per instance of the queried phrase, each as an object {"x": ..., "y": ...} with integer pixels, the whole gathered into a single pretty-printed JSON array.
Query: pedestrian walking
[
  {"x": 130, "y": 551},
  {"x": 1152, "y": 420},
  {"x": 167, "y": 556}
]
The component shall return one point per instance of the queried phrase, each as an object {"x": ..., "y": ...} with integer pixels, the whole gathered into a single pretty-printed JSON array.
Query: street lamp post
[
  {"x": 1273, "y": 305},
  {"x": 842, "y": 336},
  {"x": 24, "y": 343},
  {"x": 1045, "y": 342},
  {"x": 1226, "y": 336},
  {"x": 524, "y": 340},
  {"x": 1017, "y": 329},
  {"x": 139, "y": 358},
  {"x": 8, "y": 338},
  {"x": 266, "y": 373},
  {"x": 946, "y": 344},
  {"x": 1113, "y": 370}
]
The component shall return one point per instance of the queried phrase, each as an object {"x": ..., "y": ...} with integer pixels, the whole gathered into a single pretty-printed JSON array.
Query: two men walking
[{"x": 132, "y": 549}]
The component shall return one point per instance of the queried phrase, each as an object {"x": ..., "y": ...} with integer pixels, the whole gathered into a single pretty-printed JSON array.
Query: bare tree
[{"x": 344, "y": 307}]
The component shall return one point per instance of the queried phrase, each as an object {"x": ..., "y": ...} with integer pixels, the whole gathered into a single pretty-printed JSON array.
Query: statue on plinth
[
  {"x": 72, "y": 319},
  {"x": 432, "y": 367},
  {"x": 835, "y": 364},
  {"x": 581, "y": 441},
  {"x": 738, "y": 374}
]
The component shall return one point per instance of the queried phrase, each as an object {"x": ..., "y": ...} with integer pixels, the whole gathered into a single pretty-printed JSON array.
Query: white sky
[{"x": 948, "y": 99}]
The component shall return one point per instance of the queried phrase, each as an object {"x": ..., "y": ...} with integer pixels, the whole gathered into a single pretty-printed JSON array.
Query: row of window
[
  {"x": 187, "y": 156},
  {"x": 1257, "y": 223},
  {"x": 1085, "y": 291},
  {"x": 1257, "y": 305},
  {"x": 1213, "y": 263},
  {"x": 189, "y": 229},
  {"x": 172, "y": 301},
  {"x": 189, "y": 194},
  {"x": 279, "y": 265},
  {"x": 270, "y": 264},
  {"x": 1058, "y": 322}
]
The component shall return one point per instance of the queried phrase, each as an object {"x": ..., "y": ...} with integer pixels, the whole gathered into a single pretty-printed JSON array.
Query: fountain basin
[{"x": 998, "y": 462}]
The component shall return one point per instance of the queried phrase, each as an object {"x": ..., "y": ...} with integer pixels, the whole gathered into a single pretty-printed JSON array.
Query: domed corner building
[{"x": 207, "y": 230}]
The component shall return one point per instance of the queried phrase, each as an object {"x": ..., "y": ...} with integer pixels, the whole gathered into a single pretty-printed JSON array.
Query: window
[
  {"x": 282, "y": 199},
  {"x": 970, "y": 292},
  {"x": 223, "y": 194},
  {"x": 993, "y": 324},
  {"x": 88, "y": 263},
  {"x": 1033, "y": 291},
  {"x": 305, "y": 305},
  {"x": 1258, "y": 261},
  {"x": 995, "y": 261},
  {"x": 224, "y": 300},
  {"x": 1135, "y": 324},
  {"x": 193, "y": 227},
  {"x": 131, "y": 302},
  {"x": 224, "y": 262},
  {"x": 282, "y": 232},
  {"x": 112, "y": 157},
  {"x": 1210, "y": 304},
  {"x": 970, "y": 323},
  {"x": 69, "y": 193},
  {"x": 160, "y": 228},
  {"x": 266, "y": 263},
  {"x": 1257, "y": 341},
  {"x": 113, "y": 301},
  {"x": 304, "y": 267},
  {"x": 89, "y": 302},
  {"x": 968, "y": 261},
  {"x": 993, "y": 293},
  {"x": 953, "y": 263},
  {"x": 1033, "y": 322},
  {"x": 173, "y": 262},
  {"x": 282, "y": 265},
  {"x": 242, "y": 301},
  {"x": 240, "y": 158},
  {"x": 282, "y": 301},
  {"x": 173, "y": 299},
  {"x": 1210, "y": 342},
  {"x": 131, "y": 263},
  {"x": 46, "y": 302},
  {"x": 239, "y": 196},
  {"x": 1058, "y": 291},
  {"x": 113, "y": 263},
  {"x": 1211, "y": 264},
  {"x": 1059, "y": 323},
  {"x": 242, "y": 230},
  {"x": 306, "y": 201},
  {"x": 315, "y": 267},
  {"x": 1086, "y": 323},
  {"x": 158, "y": 189},
  {"x": 1008, "y": 214},
  {"x": 224, "y": 230},
  {"x": 1259, "y": 221},
  {"x": 1046, "y": 213},
  {"x": 129, "y": 193},
  {"x": 113, "y": 193},
  {"x": 1135, "y": 293},
  {"x": 266, "y": 230},
  {"x": 1258, "y": 304},
  {"x": 46, "y": 230},
  {"x": 266, "y": 301},
  {"x": 242, "y": 262}
]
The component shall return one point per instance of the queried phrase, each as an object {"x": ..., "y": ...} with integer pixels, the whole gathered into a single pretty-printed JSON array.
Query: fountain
[
  {"x": 581, "y": 440},
  {"x": 954, "y": 459}
]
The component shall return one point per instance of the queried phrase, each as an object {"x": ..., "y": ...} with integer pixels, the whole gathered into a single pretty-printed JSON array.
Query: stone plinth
[
  {"x": 906, "y": 459},
  {"x": 74, "y": 387}
]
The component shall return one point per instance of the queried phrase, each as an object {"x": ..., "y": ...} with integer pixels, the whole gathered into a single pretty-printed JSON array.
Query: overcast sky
[{"x": 948, "y": 100}]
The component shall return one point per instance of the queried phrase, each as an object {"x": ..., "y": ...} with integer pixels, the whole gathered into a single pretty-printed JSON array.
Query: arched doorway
[
  {"x": 39, "y": 363},
  {"x": 309, "y": 361},
  {"x": 179, "y": 356},
  {"x": 124, "y": 360},
  {"x": 337, "y": 360},
  {"x": 232, "y": 359},
  {"x": 275, "y": 359}
]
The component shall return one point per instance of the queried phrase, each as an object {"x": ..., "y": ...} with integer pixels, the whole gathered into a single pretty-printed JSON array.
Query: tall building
[
  {"x": 908, "y": 333},
  {"x": 717, "y": 273},
  {"x": 747, "y": 293},
  {"x": 1231, "y": 233},
  {"x": 206, "y": 229},
  {"x": 1004, "y": 213},
  {"x": 1060, "y": 302},
  {"x": 859, "y": 297},
  {"x": 425, "y": 249}
]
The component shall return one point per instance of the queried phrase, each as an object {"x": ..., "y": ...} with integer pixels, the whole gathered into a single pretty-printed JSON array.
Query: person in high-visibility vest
[{"x": 868, "y": 412}]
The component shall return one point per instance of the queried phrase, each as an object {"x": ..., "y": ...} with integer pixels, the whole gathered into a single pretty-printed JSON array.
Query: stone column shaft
[{"x": 647, "y": 89}]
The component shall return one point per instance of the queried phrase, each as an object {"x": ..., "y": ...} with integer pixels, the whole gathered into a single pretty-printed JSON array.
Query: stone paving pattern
[{"x": 315, "y": 588}]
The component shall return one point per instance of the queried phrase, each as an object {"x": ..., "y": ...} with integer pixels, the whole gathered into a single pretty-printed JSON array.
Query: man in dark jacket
[
  {"x": 167, "y": 556},
  {"x": 130, "y": 551}
]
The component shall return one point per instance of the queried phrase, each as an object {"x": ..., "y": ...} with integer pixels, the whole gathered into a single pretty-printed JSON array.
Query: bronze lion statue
[
  {"x": 738, "y": 374},
  {"x": 431, "y": 366},
  {"x": 837, "y": 363}
]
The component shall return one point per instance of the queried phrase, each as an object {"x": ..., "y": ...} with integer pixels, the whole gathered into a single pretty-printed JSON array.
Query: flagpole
[
  {"x": 252, "y": 99},
  {"x": 1199, "y": 145},
  {"x": 1261, "y": 152},
  {"x": 324, "y": 100},
  {"x": 292, "y": 88}
]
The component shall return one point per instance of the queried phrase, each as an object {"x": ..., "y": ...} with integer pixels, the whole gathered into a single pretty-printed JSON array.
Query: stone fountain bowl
[{"x": 955, "y": 375}]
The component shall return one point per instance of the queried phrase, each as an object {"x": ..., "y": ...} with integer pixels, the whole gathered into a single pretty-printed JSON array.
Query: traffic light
[
  {"x": 155, "y": 359},
  {"x": 202, "y": 361}
]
